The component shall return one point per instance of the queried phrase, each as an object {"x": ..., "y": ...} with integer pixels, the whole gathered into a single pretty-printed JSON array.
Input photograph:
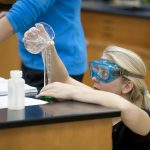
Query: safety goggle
[{"x": 106, "y": 71}]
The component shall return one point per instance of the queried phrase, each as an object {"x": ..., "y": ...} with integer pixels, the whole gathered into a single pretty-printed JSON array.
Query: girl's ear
[{"x": 127, "y": 87}]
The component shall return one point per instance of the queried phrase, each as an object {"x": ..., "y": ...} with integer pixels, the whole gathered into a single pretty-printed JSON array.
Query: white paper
[
  {"x": 4, "y": 88},
  {"x": 28, "y": 101}
]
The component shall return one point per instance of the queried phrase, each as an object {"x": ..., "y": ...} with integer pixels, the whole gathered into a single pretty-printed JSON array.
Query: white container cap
[{"x": 15, "y": 73}]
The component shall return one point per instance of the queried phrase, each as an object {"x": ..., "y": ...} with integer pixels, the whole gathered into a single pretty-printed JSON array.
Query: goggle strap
[{"x": 124, "y": 72}]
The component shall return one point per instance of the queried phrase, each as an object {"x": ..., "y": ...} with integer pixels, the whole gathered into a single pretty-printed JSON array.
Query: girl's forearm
[
  {"x": 131, "y": 115},
  {"x": 58, "y": 71}
]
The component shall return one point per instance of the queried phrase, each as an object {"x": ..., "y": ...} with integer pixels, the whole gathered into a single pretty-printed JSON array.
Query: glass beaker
[{"x": 40, "y": 42}]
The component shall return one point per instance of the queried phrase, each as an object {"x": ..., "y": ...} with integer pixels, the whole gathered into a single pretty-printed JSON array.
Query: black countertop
[
  {"x": 57, "y": 112},
  {"x": 97, "y": 6}
]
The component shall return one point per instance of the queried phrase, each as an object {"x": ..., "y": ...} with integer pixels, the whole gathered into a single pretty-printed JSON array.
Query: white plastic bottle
[{"x": 16, "y": 90}]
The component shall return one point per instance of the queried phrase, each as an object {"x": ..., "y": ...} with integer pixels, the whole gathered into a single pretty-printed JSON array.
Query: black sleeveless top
[{"x": 125, "y": 139}]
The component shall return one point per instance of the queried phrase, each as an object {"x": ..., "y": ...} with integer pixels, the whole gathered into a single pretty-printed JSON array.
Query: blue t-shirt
[{"x": 64, "y": 17}]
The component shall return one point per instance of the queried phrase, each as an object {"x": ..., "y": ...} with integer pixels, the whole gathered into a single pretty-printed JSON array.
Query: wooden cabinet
[
  {"x": 104, "y": 29},
  {"x": 77, "y": 135},
  {"x": 9, "y": 57}
]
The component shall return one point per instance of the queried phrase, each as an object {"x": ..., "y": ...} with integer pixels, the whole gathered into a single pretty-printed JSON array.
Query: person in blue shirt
[{"x": 64, "y": 17}]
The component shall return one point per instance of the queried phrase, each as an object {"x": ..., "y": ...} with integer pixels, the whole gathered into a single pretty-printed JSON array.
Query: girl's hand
[{"x": 58, "y": 90}]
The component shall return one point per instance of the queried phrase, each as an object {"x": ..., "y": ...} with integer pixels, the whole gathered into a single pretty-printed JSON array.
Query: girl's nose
[{"x": 95, "y": 80}]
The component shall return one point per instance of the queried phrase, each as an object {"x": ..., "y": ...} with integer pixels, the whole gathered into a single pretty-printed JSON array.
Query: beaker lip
[{"x": 48, "y": 29}]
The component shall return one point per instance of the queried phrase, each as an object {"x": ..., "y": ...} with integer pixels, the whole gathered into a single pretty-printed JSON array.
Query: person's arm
[
  {"x": 22, "y": 14},
  {"x": 2, "y": 14},
  {"x": 6, "y": 30},
  {"x": 25, "y": 13},
  {"x": 133, "y": 117},
  {"x": 59, "y": 72}
]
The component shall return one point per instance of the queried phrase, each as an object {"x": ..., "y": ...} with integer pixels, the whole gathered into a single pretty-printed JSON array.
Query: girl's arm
[
  {"x": 58, "y": 71},
  {"x": 133, "y": 117}
]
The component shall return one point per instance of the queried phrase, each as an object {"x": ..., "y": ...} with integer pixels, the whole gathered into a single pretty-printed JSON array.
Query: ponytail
[{"x": 146, "y": 99}]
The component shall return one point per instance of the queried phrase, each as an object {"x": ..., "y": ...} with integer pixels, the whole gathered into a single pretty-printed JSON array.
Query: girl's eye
[
  {"x": 103, "y": 73},
  {"x": 95, "y": 68}
]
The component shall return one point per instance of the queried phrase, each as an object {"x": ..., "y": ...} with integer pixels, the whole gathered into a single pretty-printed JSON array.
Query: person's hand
[
  {"x": 37, "y": 39},
  {"x": 2, "y": 14},
  {"x": 58, "y": 90}
]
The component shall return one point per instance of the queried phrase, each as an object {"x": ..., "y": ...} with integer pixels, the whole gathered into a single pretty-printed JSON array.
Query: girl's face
[{"x": 114, "y": 86}]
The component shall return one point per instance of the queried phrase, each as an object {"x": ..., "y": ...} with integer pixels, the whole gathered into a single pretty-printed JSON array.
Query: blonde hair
[{"x": 132, "y": 63}]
